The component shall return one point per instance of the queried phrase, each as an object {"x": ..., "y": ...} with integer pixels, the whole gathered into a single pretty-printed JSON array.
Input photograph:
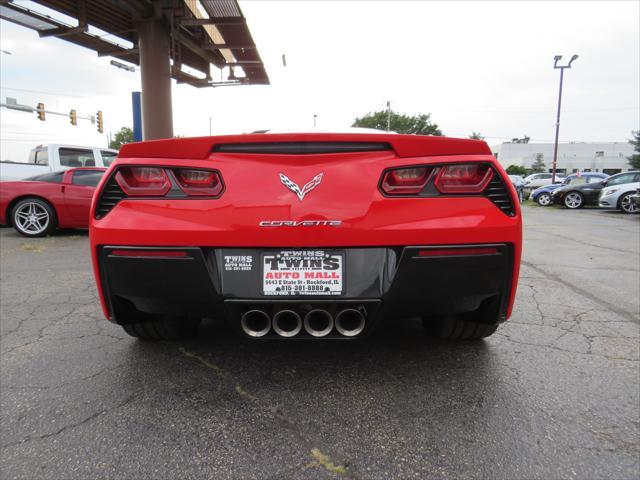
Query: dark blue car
[{"x": 542, "y": 195}]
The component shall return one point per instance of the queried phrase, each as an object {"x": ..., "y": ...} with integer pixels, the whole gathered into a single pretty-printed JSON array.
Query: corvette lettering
[{"x": 300, "y": 223}]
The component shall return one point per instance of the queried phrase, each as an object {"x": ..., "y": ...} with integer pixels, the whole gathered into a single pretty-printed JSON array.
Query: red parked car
[
  {"x": 38, "y": 205},
  {"x": 306, "y": 235}
]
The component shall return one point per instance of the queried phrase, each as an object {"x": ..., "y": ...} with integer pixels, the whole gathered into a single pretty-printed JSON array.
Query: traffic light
[
  {"x": 74, "y": 117},
  {"x": 40, "y": 110},
  {"x": 100, "y": 122}
]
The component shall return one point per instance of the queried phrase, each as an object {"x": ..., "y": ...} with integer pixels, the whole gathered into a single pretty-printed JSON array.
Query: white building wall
[{"x": 596, "y": 157}]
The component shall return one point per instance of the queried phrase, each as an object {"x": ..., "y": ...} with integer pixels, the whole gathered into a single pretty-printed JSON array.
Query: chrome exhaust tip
[
  {"x": 318, "y": 323},
  {"x": 350, "y": 322},
  {"x": 255, "y": 323},
  {"x": 287, "y": 323}
]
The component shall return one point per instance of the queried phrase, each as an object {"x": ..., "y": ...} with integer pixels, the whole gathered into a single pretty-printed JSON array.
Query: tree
[
  {"x": 417, "y": 124},
  {"x": 524, "y": 139},
  {"x": 124, "y": 135},
  {"x": 516, "y": 170},
  {"x": 476, "y": 136},
  {"x": 538, "y": 165},
  {"x": 634, "y": 159}
]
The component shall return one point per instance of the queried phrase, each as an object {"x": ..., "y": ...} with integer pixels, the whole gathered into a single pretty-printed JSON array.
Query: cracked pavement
[{"x": 555, "y": 393}]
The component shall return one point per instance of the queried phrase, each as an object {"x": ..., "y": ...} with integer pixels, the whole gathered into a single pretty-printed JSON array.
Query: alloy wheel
[
  {"x": 573, "y": 200},
  {"x": 627, "y": 205},
  {"x": 544, "y": 199},
  {"x": 31, "y": 218}
]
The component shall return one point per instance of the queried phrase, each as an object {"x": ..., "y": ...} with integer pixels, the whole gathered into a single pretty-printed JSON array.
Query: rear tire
[
  {"x": 165, "y": 328},
  {"x": 452, "y": 327},
  {"x": 626, "y": 205}
]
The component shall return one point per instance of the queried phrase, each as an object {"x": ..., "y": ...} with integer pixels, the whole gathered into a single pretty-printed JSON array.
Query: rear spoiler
[{"x": 288, "y": 143}]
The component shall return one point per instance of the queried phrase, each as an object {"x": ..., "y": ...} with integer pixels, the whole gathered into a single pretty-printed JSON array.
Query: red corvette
[
  {"x": 38, "y": 205},
  {"x": 306, "y": 235}
]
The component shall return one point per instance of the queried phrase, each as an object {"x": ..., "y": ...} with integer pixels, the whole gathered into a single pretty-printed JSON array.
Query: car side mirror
[{"x": 603, "y": 183}]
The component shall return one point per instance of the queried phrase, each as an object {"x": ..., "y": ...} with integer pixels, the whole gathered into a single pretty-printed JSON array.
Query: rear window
[
  {"x": 76, "y": 157},
  {"x": 89, "y": 178},
  {"x": 54, "y": 177},
  {"x": 108, "y": 157},
  {"x": 39, "y": 157}
]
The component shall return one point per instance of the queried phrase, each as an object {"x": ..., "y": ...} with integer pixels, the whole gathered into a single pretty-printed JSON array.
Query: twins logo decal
[{"x": 293, "y": 186}]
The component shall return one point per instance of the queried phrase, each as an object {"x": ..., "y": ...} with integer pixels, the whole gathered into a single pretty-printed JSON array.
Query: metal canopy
[{"x": 202, "y": 34}]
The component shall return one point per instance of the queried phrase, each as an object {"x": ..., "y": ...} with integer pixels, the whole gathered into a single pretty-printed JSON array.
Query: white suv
[{"x": 537, "y": 180}]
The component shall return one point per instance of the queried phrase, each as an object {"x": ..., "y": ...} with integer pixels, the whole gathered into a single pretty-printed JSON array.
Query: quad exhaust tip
[
  {"x": 350, "y": 322},
  {"x": 287, "y": 323},
  {"x": 318, "y": 323},
  {"x": 255, "y": 323}
]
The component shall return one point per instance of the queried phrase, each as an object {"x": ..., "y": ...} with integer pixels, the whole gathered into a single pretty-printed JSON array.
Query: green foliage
[
  {"x": 634, "y": 159},
  {"x": 476, "y": 136},
  {"x": 417, "y": 124},
  {"x": 124, "y": 135},
  {"x": 516, "y": 170},
  {"x": 538, "y": 165}
]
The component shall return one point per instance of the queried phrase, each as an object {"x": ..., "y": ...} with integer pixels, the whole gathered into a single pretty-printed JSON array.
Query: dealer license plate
[{"x": 302, "y": 272}]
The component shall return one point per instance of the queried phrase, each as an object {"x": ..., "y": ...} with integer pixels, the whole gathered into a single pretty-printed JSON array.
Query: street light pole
[
  {"x": 555, "y": 145},
  {"x": 388, "y": 115}
]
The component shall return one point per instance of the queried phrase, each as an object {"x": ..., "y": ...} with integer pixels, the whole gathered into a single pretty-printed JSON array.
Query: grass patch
[
  {"x": 322, "y": 460},
  {"x": 31, "y": 247}
]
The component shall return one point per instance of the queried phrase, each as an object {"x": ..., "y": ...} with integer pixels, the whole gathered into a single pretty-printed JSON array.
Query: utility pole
[
  {"x": 315, "y": 116},
  {"x": 556, "y": 59},
  {"x": 209, "y": 126},
  {"x": 388, "y": 115}
]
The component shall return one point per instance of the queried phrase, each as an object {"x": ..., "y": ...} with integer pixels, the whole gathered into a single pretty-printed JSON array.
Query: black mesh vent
[
  {"x": 302, "y": 148},
  {"x": 110, "y": 196},
  {"x": 499, "y": 195}
]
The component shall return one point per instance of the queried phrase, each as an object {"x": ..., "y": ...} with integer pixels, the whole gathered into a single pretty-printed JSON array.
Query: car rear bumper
[{"x": 390, "y": 282}]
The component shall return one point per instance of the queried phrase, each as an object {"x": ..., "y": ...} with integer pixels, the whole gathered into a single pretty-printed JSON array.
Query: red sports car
[
  {"x": 38, "y": 205},
  {"x": 306, "y": 235}
]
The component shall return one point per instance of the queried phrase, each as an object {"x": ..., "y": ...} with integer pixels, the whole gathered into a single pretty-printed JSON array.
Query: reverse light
[
  {"x": 149, "y": 253},
  {"x": 451, "y": 252},
  {"x": 406, "y": 181},
  {"x": 199, "y": 182},
  {"x": 143, "y": 181},
  {"x": 463, "y": 178}
]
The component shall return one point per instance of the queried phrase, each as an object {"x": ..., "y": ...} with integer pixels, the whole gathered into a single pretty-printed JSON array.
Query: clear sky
[{"x": 475, "y": 66}]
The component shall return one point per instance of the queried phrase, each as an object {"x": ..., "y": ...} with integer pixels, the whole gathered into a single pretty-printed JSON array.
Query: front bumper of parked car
[{"x": 608, "y": 199}]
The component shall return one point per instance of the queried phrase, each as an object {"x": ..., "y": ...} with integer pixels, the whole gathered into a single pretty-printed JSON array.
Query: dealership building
[{"x": 608, "y": 158}]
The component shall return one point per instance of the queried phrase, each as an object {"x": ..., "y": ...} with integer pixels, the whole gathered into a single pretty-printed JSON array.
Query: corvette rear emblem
[{"x": 291, "y": 185}]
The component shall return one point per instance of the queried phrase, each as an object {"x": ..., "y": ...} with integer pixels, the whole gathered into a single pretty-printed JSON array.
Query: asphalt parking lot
[{"x": 554, "y": 394}]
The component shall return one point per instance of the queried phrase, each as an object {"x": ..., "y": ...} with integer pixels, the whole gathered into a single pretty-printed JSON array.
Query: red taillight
[
  {"x": 406, "y": 181},
  {"x": 199, "y": 182},
  {"x": 463, "y": 178},
  {"x": 449, "y": 252},
  {"x": 143, "y": 181}
]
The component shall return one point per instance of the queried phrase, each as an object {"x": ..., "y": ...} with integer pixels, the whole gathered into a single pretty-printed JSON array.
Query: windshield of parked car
[
  {"x": 577, "y": 180},
  {"x": 54, "y": 177}
]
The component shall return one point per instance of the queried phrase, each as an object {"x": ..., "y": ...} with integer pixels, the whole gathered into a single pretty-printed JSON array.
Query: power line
[{"x": 44, "y": 92}]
